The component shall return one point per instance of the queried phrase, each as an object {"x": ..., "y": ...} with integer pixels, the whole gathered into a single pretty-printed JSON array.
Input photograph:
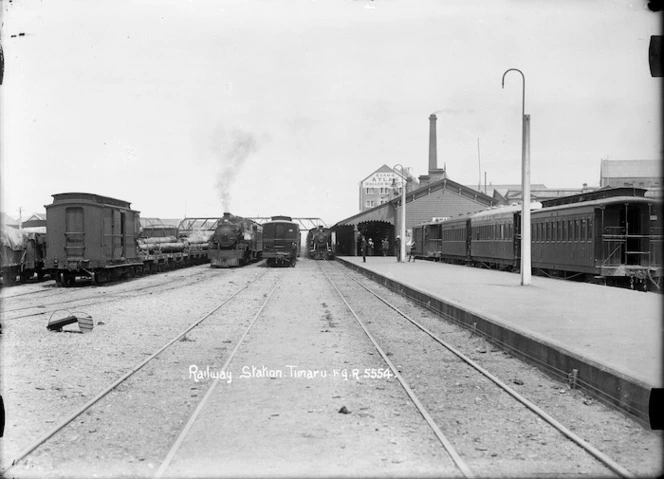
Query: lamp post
[
  {"x": 402, "y": 245},
  {"x": 525, "y": 183}
]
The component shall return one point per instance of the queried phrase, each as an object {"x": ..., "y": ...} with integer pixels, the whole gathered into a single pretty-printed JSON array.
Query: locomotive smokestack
[{"x": 433, "y": 155}]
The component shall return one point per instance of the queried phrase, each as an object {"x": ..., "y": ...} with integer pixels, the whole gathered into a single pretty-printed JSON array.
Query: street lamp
[
  {"x": 525, "y": 182},
  {"x": 402, "y": 245}
]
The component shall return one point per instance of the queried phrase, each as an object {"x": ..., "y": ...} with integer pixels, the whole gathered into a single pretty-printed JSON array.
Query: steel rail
[
  {"x": 596, "y": 453},
  {"x": 120, "y": 380},
  {"x": 460, "y": 463},
  {"x": 183, "y": 434},
  {"x": 124, "y": 294}
]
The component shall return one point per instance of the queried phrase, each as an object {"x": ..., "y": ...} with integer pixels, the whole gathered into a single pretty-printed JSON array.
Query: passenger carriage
[{"x": 281, "y": 241}]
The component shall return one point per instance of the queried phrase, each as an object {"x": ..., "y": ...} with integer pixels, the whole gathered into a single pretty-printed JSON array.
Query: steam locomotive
[
  {"x": 319, "y": 243},
  {"x": 235, "y": 242},
  {"x": 281, "y": 241},
  {"x": 612, "y": 236}
]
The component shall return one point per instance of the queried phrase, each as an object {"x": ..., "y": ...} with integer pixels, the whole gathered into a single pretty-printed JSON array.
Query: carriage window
[
  {"x": 590, "y": 229},
  {"x": 565, "y": 230},
  {"x": 582, "y": 233}
]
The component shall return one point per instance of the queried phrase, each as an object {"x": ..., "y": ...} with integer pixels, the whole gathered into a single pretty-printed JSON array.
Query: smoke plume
[{"x": 232, "y": 149}]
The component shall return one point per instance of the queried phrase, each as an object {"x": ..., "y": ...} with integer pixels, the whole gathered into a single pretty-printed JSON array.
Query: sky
[{"x": 281, "y": 107}]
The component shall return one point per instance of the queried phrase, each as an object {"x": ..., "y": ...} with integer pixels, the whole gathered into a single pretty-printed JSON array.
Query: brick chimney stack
[
  {"x": 433, "y": 154},
  {"x": 435, "y": 174}
]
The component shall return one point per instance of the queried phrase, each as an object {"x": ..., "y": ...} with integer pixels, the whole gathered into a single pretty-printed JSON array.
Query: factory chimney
[
  {"x": 435, "y": 174},
  {"x": 433, "y": 154}
]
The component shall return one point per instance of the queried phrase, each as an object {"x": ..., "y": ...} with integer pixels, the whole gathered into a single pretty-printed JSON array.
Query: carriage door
[
  {"x": 517, "y": 237},
  {"x": 113, "y": 244},
  {"x": 636, "y": 249},
  {"x": 74, "y": 234}
]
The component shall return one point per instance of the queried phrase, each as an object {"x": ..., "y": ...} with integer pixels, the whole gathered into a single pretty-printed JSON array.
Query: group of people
[{"x": 367, "y": 247}]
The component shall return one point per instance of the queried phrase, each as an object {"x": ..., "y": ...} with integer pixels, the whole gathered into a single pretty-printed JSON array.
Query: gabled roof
[
  {"x": 37, "y": 216},
  {"x": 387, "y": 169}
]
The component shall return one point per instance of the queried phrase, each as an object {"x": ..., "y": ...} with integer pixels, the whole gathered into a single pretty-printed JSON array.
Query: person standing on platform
[
  {"x": 386, "y": 246},
  {"x": 363, "y": 249},
  {"x": 411, "y": 247},
  {"x": 371, "y": 247},
  {"x": 398, "y": 244}
]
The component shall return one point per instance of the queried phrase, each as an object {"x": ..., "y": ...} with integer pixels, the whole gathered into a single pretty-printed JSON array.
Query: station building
[
  {"x": 435, "y": 197},
  {"x": 430, "y": 197}
]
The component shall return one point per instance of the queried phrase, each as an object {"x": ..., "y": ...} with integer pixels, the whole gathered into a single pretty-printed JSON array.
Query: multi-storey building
[{"x": 382, "y": 185}]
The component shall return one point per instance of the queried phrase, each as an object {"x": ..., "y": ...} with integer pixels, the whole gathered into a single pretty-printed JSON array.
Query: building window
[
  {"x": 369, "y": 203},
  {"x": 369, "y": 191}
]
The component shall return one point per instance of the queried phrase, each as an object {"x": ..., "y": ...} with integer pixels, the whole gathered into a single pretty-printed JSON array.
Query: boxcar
[
  {"x": 92, "y": 236},
  {"x": 281, "y": 241}
]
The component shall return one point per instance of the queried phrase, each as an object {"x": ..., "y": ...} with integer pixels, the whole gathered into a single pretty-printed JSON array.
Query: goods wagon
[
  {"x": 22, "y": 254},
  {"x": 162, "y": 247},
  {"x": 92, "y": 236}
]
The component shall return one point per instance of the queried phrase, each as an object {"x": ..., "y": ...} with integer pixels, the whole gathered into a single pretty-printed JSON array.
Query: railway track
[
  {"x": 104, "y": 409},
  {"x": 456, "y": 373},
  {"x": 306, "y": 371},
  {"x": 20, "y": 306}
]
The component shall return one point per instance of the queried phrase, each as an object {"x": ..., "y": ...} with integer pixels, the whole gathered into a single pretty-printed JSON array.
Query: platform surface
[{"x": 620, "y": 329}]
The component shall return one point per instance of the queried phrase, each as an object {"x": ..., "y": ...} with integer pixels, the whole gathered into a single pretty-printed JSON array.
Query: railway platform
[{"x": 605, "y": 340}]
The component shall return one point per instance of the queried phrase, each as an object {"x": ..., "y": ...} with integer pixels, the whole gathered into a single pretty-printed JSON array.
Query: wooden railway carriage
[
  {"x": 281, "y": 241},
  {"x": 608, "y": 234},
  {"x": 236, "y": 241},
  {"x": 440, "y": 240},
  {"x": 496, "y": 236},
  {"x": 612, "y": 234},
  {"x": 91, "y": 235}
]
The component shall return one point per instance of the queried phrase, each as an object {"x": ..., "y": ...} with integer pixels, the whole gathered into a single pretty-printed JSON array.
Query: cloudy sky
[{"x": 266, "y": 107}]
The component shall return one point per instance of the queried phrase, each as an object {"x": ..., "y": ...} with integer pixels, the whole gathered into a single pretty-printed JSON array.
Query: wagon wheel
[{"x": 67, "y": 279}]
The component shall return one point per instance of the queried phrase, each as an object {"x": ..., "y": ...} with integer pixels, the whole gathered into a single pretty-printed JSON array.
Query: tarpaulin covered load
[{"x": 14, "y": 239}]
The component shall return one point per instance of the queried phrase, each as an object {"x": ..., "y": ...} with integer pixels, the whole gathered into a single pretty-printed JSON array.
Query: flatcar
[
  {"x": 161, "y": 247},
  {"x": 611, "y": 235},
  {"x": 236, "y": 242},
  {"x": 281, "y": 241},
  {"x": 319, "y": 243}
]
